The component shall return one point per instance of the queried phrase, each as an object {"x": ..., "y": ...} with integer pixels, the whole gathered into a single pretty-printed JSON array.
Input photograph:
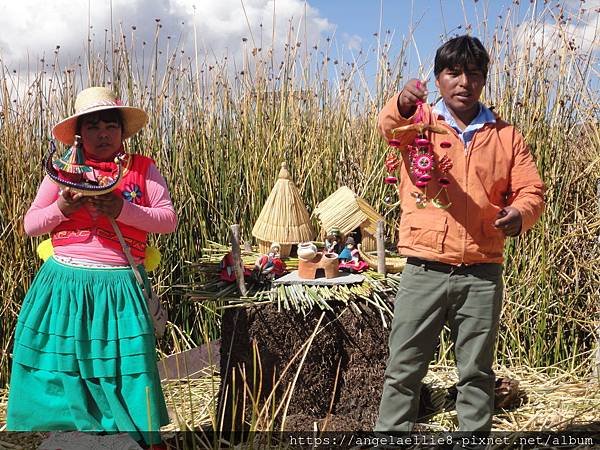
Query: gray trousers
[{"x": 468, "y": 299}]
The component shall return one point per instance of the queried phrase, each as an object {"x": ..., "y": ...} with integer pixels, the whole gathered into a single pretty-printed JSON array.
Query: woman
[{"x": 84, "y": 354}]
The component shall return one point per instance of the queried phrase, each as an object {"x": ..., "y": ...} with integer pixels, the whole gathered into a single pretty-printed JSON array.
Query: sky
[{"x": 34, "y": 29}]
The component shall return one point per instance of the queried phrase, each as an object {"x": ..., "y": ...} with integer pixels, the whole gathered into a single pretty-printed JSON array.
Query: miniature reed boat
[
  {"x": 78, "y": 182},
  {"x": 393, "y": 264},
  {"x": 420, "y": 128}
]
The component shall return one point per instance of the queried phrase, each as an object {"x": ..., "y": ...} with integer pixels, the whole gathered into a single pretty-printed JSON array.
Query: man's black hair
[{"x": 461, "y": 51}]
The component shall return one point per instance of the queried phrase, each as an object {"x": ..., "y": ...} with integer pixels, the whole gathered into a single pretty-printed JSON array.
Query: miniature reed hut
[
  {"x": 347, "y": 211},
  {"x": 284, "y": 217}
]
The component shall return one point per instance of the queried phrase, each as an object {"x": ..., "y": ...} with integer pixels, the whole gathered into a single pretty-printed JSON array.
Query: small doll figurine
[
  {"x": 227, "y": 270},
  {"x": 269, "y": 266},
  {"x": 274, "y": 254},
  {"x": 346, "y": 253},
  {"x": 332, "y": 241},
  {"x": 350, "y": 258}
]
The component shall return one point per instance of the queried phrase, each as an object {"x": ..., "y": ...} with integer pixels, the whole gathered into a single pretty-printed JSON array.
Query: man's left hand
[{"x": 509, "y": 221}]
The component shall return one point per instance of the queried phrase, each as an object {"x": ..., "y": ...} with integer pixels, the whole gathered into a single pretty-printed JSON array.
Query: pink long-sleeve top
[{"x": 160, "y": 217}]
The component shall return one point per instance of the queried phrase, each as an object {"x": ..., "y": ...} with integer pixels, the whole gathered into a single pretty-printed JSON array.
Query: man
[{"x": 482, "y": 185}]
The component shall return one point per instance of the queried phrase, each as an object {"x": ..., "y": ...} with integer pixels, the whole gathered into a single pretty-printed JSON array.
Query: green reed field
[{"x": 219, "y": 134}]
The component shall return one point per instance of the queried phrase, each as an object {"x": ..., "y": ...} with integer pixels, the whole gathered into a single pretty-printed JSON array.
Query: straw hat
[{"x": 98, "y": 99}]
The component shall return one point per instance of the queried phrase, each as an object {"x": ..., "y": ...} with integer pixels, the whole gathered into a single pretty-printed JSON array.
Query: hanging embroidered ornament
[
  {"x": 72, "y": 162},
  {"x": 422, "y": 160},
  {"x": 392, "y": 162},
  {"x": 444, "y": 166}
]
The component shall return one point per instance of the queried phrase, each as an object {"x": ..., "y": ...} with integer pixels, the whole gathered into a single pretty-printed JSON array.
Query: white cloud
[
  {"x": 222, "y": 24},
  {"x": 32, "y": 29},
  {"x": 573, "y": 22},
  {"x": 353, "y": 41}
]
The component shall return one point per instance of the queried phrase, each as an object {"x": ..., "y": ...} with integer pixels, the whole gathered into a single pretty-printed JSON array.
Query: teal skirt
[{"x": 84, "y": 355}]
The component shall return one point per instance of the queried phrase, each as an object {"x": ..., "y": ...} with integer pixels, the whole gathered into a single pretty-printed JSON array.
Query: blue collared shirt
[{"x": 485, "y": 115}]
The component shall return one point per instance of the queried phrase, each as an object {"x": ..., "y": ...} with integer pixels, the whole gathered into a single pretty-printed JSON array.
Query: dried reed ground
[{"x": 553, "y": 402}]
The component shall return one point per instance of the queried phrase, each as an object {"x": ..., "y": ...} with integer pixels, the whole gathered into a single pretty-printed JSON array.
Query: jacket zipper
[
  {"x": 468, "y": 148},
  {"x": 466, "y": 180}
]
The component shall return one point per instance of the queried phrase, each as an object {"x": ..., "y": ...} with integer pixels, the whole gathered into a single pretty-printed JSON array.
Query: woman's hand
[
  {"x": 109, "y": 204},
  {"x": 414, "y": 91},
  {"x": 69, "y": 201}
]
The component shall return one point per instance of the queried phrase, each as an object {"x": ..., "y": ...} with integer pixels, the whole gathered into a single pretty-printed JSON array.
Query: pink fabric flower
[{"x": 424, "y": 162}]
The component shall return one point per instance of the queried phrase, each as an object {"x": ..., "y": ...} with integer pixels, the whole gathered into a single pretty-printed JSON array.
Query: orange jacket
[{"x": 495, "y": 170}]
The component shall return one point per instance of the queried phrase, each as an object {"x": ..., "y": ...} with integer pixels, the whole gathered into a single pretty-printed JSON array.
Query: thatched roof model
[
  {"x": 284, "y": 217},
  {"x": 347, "y": 211}
]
